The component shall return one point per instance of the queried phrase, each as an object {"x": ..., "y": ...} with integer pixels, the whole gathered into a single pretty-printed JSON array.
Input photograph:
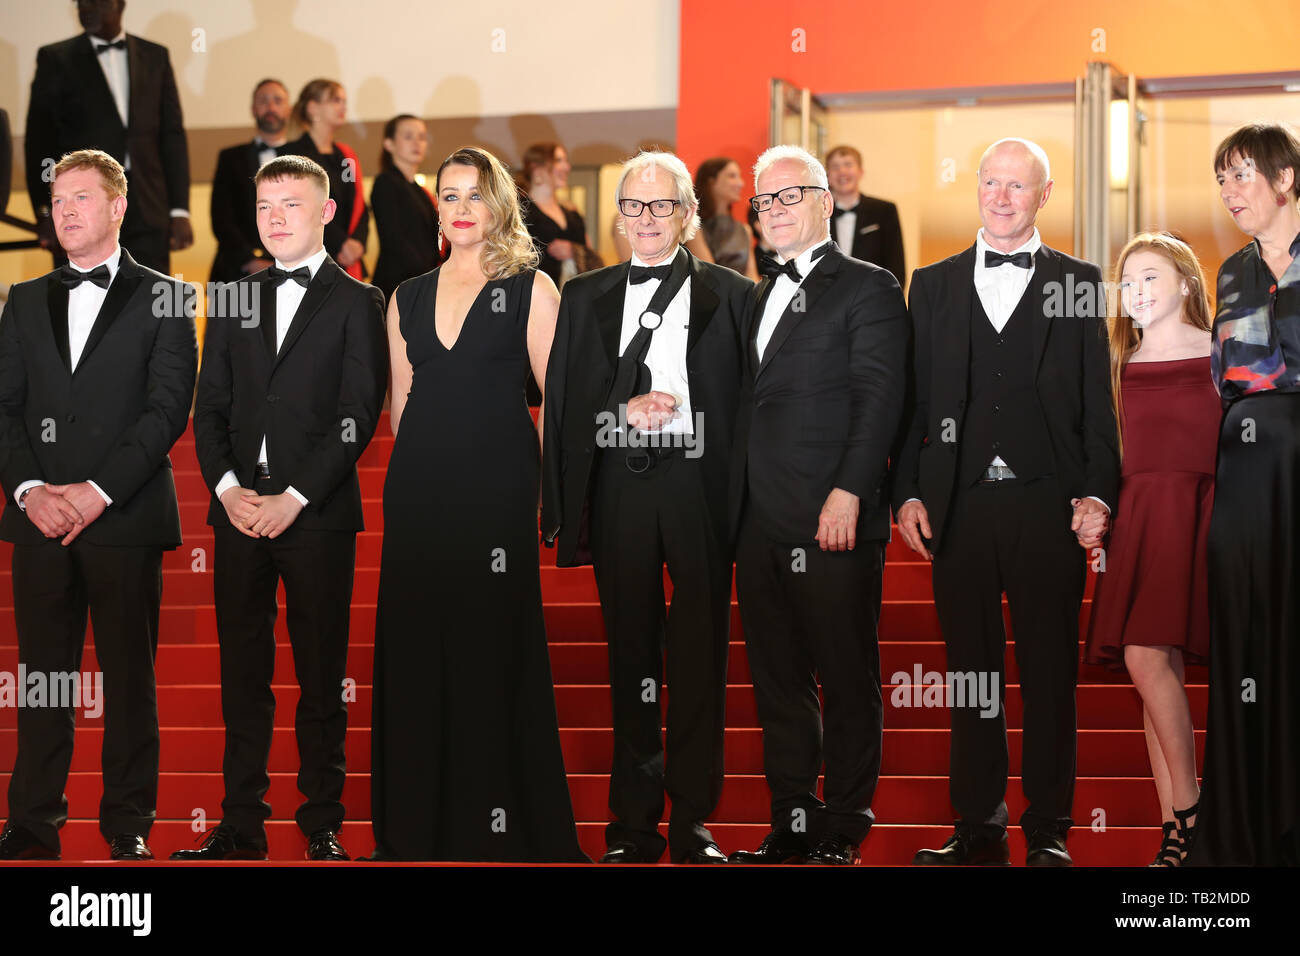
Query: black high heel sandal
[
  {"x": 1186, "y": 831},
  {"x": 1170, "y": 852}
]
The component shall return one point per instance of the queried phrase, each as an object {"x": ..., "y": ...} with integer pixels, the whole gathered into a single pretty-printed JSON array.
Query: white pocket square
[{"x": 866, "y": 229}]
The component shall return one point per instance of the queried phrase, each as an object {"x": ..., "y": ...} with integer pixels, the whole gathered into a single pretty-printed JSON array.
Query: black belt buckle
[
  {"x": 639, "y": 462},
  {"x": 262, "y": 471}
]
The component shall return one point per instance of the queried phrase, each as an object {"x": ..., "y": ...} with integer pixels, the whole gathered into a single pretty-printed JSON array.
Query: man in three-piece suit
[
  {"x": 864, "y": 227},
  {"x": 1009, "y": 463},
  {"x": 109, "y": 90},
  {"x": 632, "y": 491},
  {"x": 295, "y": 367},
  {"x": 234, "y": 217},
  {"x": 825, "y": 343},
  {"x": 97, "y": 363}
]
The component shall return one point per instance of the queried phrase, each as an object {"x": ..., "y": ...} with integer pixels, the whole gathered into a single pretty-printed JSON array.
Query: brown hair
[
  {"x": 708, "y": 171},
  {"x": 110, "y": 170},
  {"x": 847, "y": 151},
  {"x": 1270, "y": 147},
  {"x": 315, "y": 91},
  {"x": 508, "y": 249},
  {"x": 390, "y": 130},
  {"x": 536, "y": 155},
  {"x": 1125, "y": 336},
  {"x": 293, "y": 167}
]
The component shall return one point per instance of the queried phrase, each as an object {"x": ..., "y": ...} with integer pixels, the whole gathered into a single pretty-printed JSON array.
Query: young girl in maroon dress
[{"x": 1150, "y": 610}]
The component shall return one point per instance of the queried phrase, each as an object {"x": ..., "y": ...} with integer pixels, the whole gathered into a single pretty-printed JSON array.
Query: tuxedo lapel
[
  {"x": 819, "y": 279},
  {"x": 135, "y": 72},
  {"x": 128, "y": 278},
  {"x": 56, "y": 301},
  {"x": 608, "y": 309},
  {"x": 950, "y": 334},
  {"x": 318, "y": 290},
  {"x": 1047, "y": 268},
  {"x": 266, "y": 316},
  {"x": 93, "y": 81},
  {"x": 760, "y": 294},
  {"x": 704, "y": 303}
]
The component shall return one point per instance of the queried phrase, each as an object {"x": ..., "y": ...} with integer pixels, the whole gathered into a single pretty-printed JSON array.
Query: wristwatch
[{"x": 22, "y": 506}]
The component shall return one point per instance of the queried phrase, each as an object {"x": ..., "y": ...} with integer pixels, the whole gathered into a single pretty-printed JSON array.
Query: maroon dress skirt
[{"x": 1155, "y": 587}]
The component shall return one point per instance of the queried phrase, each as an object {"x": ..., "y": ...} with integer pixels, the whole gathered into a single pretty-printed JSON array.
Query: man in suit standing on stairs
[
  {"x": 106, "y": 89},
  {"x": 1009, "y": 463},
  {"x": 864, "y": 227},
  {"x": 647, "y": 355},
  {"x": 825, "y": 348},
  {"x": 97, "y": 363},
  {"x": 295, "y": 366}
]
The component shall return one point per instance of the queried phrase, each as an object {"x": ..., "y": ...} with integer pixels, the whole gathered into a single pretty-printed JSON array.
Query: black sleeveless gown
[{"x": 465, "y": 751}]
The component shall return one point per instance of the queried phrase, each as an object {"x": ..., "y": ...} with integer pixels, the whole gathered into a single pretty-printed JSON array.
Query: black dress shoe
[
  {"x": 128, "y": 846},
  {"x": 1046, "y": 849},
  {"x": 223, "y": 843},
  {"x": 324, "y": 845},
  {"x": 834, "y": 850},
  {"x": 779, "y": 846},
  {"x": 18, "y": 844},
  {"x": 706, "y": 853},
  {"x": 624, "y": 853},
  {"x": 967, "y": 849}
]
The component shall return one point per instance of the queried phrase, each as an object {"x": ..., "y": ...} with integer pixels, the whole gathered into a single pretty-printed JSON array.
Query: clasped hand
[
  {"x": 260, "y": 516},
  {"x": 651, "y": 411}
]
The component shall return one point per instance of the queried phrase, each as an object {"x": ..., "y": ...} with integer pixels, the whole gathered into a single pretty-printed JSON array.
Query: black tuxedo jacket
[
  {"x": 317, "y": 401},
  {"x": 1071, "y": 376},
  {"x": 72, "y": 108},
  {"x": 234, "y": 212},
  {"x": 113, "y": 420},
  {"x": 578, "y": 378},
  {"x": 821, "y": 410},
  {"x": 877, "y": 235}
]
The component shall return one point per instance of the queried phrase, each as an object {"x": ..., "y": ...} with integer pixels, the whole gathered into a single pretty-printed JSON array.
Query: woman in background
[
  {"x": 718, "y": 184},
  {"x": 405, "y": 216},
  {"x": 1250, "y": 802},
  {"x": 557, "y": 228},
  {"x": 1150, "y": 610},
  {"x": 321, "y": 111}
]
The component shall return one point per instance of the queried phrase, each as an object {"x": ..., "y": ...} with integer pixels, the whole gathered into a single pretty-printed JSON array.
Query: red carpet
[{"x": 1115, "y": 810}]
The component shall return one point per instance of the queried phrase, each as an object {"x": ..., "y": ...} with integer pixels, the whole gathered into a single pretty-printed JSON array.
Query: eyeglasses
[
  {"x": 659, "y": 208},
  {"x": 790, "y": 196}
]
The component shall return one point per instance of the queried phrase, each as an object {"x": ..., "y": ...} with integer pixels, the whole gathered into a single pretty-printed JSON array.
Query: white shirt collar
[
  {"x": 803, "y": 261},
  {"x": 638, "y": 261},
  {"x": 97, "y": 41},
  {"x": 113, "y": 261},
  {"x": 1031, "y": 246},
  {"x": 312, "y": 262}
]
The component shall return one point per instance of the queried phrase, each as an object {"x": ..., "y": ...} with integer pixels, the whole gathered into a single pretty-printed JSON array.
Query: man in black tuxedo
[
  {"x": 658, "y": 337},
  {"x": 97, "y": 363},
  {"x": 106, "y": 89},
  {"x": 295, "y": 367},
  {"x": 864, "y": 227},
  {"x": 234, "y": 218},
  {"x": 1009, "y": 463},
  {"x": 826, "y": 343}
]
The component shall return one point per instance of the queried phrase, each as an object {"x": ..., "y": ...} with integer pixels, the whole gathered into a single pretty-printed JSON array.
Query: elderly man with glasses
[
  {"x": 641, "y": 393},
  {"x": 825, "y": 350}
]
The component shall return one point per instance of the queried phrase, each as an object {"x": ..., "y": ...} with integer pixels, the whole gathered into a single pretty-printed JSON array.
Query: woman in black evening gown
[
  {"x": 405, "y": 216},
  {"x": 465, "y": 756},
  {"x": 1250, "y": 797}
]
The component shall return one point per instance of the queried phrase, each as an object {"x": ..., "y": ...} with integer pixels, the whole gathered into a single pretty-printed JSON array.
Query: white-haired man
[
  {"x": 825, "y": 370},
  {"x": 1008, "y": 465},
  {"x": 641, "y": 393}
]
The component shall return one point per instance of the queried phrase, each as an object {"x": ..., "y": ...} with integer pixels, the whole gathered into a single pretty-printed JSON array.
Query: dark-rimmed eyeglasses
[
  {"x": 790, "y": 196},
  {"x": 659, "y": 208}
]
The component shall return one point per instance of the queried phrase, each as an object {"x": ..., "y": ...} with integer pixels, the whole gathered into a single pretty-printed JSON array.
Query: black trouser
[
  {"x": 317, "y": 569},
  {"x": 1014, "y": 537},
  {"x": 812, "y": 614},
  {"x": 54, "y": 586},
  {"x": 640, "y": 522}
]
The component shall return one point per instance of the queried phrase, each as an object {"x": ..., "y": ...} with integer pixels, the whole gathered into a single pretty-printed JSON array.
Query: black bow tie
[
  {"x": 790, "y": 269},
  {"x": 301, "y": 275},
  {"x": 115, "y": 45},
  {"x": 646, "y": 273},
  {"x": 74, "y": 277},
  {"x": 1021, "y": 260}
]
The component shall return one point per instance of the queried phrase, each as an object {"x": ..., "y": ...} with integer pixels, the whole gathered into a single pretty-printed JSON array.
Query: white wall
[{"x": 478, "y": 58}]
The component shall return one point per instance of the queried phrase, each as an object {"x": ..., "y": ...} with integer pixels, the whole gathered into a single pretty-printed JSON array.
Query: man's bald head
[{"x": 1024, "y": 147}]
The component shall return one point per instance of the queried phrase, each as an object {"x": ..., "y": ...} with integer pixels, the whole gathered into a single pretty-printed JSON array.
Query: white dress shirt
[
  {"x": 118, "y": 75},
  {"x": 666, "y": 356},
  {"x": 783, "y": 290},
  {"x": 84, "y": 303},
  {"x": 288, "y": 296},
  {"x": 844, "y": 226}
]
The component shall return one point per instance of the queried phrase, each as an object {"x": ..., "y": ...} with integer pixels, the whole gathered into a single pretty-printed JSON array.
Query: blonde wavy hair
[
  {"x": 1125, "y": 335},
  {"x": 508, "y": 249}
]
